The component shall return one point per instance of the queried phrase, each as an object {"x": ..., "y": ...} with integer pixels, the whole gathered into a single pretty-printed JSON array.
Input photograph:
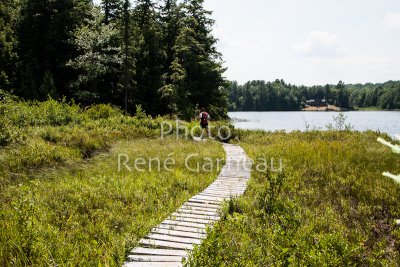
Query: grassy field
[
  {"x": 64, "y": 201},
  {"x": 330, "y": 206}
]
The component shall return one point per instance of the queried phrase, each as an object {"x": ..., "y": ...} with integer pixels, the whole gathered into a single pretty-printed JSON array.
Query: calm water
[{"x": 383, "y": 121}]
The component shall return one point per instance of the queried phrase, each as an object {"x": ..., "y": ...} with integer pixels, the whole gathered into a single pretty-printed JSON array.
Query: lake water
[{"x": 383, "y": 121}]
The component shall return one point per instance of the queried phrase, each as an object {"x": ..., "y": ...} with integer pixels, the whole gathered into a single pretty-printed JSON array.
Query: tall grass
[
  {"x": 329, "y": 207},
  {"x": 64, "y": 201}
]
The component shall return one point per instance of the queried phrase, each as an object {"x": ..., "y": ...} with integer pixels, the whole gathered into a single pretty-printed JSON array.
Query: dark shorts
[{"x": 204, "y": 125}]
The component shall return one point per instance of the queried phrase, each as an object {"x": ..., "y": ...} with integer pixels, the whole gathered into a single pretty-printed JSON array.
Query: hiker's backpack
[{"x": 204, "y": 118}]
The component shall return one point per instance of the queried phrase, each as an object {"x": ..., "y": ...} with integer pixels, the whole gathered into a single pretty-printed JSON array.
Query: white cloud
[
  {"x": 320, "y": 44},
  {"x": 392, "y": 20}
]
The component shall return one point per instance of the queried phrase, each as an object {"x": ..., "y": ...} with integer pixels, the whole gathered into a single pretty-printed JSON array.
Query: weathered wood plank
[
  {"x": 178, "y": 233},
  {"x": 211, "y": 204},
  {"x": 182, "y": 228},
  {"x": 150, "y": 258},
  {"x": 196, "y": 216},
  {"x": 186, "y": 224},
  {"x": 175, "y": 239},
  {"x": 158, "y": 252},
  {"x": 197, "y": 208},
  {"x": 191, "y": 220},
  {"x": 202, "y": 205},
  {"x": 165, "y": 244},
  {"x": 210, "y": 199},
  {"x": 199, "y": 212},
  {"x": 204, "y": 201},
  {"x": 153, "y": 264}
]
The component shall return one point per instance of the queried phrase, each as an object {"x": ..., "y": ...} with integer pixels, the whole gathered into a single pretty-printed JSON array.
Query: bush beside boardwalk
[{"x": 330, "y": 206}]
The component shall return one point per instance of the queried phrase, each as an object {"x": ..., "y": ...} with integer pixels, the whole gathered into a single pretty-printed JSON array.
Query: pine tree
[
  {"x": 113, "y": 10},
  {"x": 149, "y": 57},
  {"x": 99, "y": 56},
  {"x": 44, "y": 33},
  {"x": 128, "y": 69},
  {"x": 8, "y": 42},
  {"x": 173, "y": 73},
  {"x": 196, "y": 54}
]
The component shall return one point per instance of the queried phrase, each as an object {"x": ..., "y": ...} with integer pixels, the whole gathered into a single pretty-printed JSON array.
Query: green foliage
[
  {"x": 8, "y": 41},
  {"x": 280, "y": 96},
  {"x": 99, "y": 55},
  {"x": 44, "y": 31},
  {"x": 330, "y": 206},
  {"x": 103, "y": 111},
  {"x": 162, "y": 58},
  {"x": 112, "y": 10}
]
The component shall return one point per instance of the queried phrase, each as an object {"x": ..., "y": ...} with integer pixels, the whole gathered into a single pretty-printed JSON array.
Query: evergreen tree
[
  {"x": 148, "y": 57},
  {"x": 100, "y": 55},
  {"x": 44, "y": 33},
  {"x": 196, "y": 54},
  {"x": 173, "y": 73},
  {"x": 342, "y": 98},
  {"x": 128, "y": 70},
  {"x": 113, "y": 10},
  {"x": 8, "y": 43}
]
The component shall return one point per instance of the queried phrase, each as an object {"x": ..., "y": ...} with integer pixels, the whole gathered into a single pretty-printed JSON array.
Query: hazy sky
[{"x": 309, "y": 41}]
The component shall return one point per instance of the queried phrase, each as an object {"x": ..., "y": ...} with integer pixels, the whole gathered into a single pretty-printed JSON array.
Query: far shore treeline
[{"x": 281, "y": 96}]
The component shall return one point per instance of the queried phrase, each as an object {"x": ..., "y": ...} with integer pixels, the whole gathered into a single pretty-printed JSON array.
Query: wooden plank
[
  {"x": 202, "y": 205},
  {"x": 213, "y": 194},
  {"x": 212, "y": 199},
  {"x": 240, "y": 178},
  {"x": 196, "y": 208},
  {"x": 181, "y": 228},
  {"x": 220, "y": 191},
  {"x": 178, "y": 233},
  {"x": 150, "y": 258},
  {"x": 199, "y": 212},
  {"x": 228, "y": 184},
  {"x": 226, "y": 192},
  {"x": 204, "y": 201},
  {"x": 186, "y": 224},
  {"x": 196, "y": 216},
  {"x": 152, "y": 264},
  {"x": 159, "y": 252},
  {"x": 175, "y": 239},
  {"x": 165, "y": 244},
  {"x": 227, "y": 187},
  {"x": 191, "y": 220}
]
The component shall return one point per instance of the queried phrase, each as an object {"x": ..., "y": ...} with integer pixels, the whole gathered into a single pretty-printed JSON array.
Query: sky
[{"x": 309, "y": 42}]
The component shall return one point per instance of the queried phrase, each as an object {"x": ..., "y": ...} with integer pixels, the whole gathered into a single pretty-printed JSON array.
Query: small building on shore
[{"x": 316, "y": 103}]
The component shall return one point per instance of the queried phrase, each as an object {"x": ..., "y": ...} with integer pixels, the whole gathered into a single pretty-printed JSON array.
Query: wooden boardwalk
[{"x": 172, "y": 240}]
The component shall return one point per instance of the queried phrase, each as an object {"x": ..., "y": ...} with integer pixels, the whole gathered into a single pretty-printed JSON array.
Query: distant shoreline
[{"x": 325, "y": 108}]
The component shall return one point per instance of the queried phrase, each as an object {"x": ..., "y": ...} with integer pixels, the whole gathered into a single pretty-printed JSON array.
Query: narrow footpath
[{"x": 172, "y": 240}]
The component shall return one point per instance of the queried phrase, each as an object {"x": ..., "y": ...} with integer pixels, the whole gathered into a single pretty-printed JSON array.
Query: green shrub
[{"x": 103, "y": 111}]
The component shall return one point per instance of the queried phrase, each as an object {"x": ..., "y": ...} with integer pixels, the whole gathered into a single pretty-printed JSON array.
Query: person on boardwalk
[{"x": 204, "y": 117}]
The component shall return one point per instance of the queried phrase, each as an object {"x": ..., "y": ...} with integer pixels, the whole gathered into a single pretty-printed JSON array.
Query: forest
[
  {"x": 160, "y": 55},
  {"x": 281, "y": 96}
]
